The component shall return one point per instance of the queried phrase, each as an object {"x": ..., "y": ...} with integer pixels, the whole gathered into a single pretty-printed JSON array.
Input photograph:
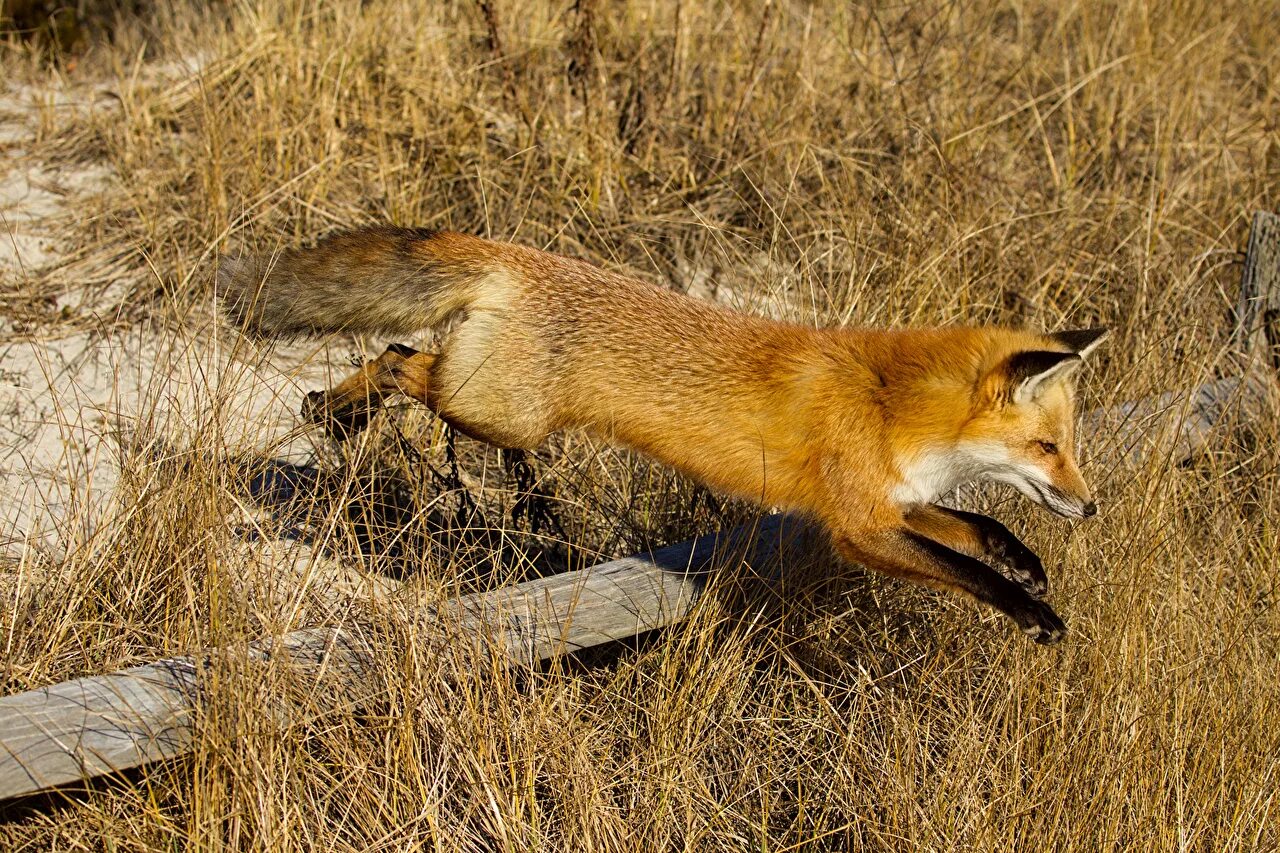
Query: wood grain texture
[
  {"x": 90, "y": 726},
  {"x": 1258, "y": 313},
  {"x": 546, "y": 617},
  {"x": 1177, "y": 424}
]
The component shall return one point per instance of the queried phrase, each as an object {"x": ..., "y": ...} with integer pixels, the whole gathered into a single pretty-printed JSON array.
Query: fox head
[{"x": 1023, "y": 431}]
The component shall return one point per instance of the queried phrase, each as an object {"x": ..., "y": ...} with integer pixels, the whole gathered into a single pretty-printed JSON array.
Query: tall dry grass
[{"x": 1015, "y": 161}]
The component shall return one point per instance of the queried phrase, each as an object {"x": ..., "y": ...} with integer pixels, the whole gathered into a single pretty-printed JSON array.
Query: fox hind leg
[{"x": 346, "y": 408}]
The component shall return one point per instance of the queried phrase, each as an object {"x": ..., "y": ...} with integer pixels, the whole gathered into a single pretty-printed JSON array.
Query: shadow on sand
[{"x": 397, "y": 526}]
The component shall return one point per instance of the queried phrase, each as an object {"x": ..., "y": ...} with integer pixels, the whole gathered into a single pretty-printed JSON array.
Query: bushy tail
[{"x": 375, "y": 280}]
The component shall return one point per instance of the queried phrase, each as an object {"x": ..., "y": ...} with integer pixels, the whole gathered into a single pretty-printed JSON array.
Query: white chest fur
[{"x": 930, "y": 474}]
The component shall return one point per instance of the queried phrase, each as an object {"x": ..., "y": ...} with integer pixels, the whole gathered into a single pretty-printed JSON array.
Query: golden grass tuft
[{"x": 1021, "y": 161}]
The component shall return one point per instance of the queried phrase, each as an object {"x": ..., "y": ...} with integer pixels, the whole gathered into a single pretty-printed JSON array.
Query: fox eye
[{"x": 1048, "y": 447}]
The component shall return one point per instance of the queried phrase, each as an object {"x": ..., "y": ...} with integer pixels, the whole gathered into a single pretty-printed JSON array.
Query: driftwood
[{"x": 103, "y": 724}]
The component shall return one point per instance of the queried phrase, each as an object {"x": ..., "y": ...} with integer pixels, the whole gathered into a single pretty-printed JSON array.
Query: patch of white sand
[
  {"x": 68, "y": 404},
  {"x": 68, "y": 399}
]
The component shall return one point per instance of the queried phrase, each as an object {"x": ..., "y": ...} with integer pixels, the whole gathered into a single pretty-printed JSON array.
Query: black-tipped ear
[
  {"x": 1028, "y": 373},
  {"x": 1081, "y": 341}
]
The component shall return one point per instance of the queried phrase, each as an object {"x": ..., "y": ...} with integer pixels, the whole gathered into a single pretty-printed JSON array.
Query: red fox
[{"x": 863, "y": 429}]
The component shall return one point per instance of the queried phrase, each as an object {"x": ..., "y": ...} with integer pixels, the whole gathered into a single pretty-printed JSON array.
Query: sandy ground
[{"x": 69, "y": 397}]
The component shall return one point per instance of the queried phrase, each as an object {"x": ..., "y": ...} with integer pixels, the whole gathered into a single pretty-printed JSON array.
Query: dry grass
[{"x": 1017, "y": 161}]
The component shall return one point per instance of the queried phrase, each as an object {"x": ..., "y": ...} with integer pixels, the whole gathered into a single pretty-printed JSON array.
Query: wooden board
[
  {"x": 1174, "y": 426},
  {"x": 93, "y": 726},
  {"x": 543, "y": 618}
]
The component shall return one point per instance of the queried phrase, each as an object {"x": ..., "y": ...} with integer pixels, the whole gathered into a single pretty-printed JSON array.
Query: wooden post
[
  {"x": 1258, "y": 314},
  {"x": 102, "y": 724}
]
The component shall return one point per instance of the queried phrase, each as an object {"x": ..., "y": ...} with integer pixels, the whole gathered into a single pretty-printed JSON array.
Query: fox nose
[{"x": 1090, "y": 509}]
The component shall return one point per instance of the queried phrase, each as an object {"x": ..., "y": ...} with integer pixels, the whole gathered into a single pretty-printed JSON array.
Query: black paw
[
  {"x": 1030, "y": 574},
  {"x": 1040, "y": 623},
  {"x": 313, "y": 408},
  {"x": 1026, "y": 569}
]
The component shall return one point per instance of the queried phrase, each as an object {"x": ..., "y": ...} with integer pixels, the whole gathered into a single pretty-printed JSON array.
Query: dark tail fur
[{"x": 376, "y": 280}]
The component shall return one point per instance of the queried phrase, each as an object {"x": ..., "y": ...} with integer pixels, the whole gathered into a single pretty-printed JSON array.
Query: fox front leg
[
  {"x": 983, "y": 537},
  {"x": 915, "y": 557}
]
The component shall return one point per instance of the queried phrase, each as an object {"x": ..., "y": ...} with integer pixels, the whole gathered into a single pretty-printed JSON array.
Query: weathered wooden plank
[
  {"x": 93, "y": 726},
  {"x": 1176, "y": 425},
  {"x": 550, "y": 616},
  {"x": 90, "y": 726}
]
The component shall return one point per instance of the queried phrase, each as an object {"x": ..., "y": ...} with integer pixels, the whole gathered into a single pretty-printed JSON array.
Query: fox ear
[
  {"x": 1082, "y": 342},
  {"x": 1026, "y": 375}
]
